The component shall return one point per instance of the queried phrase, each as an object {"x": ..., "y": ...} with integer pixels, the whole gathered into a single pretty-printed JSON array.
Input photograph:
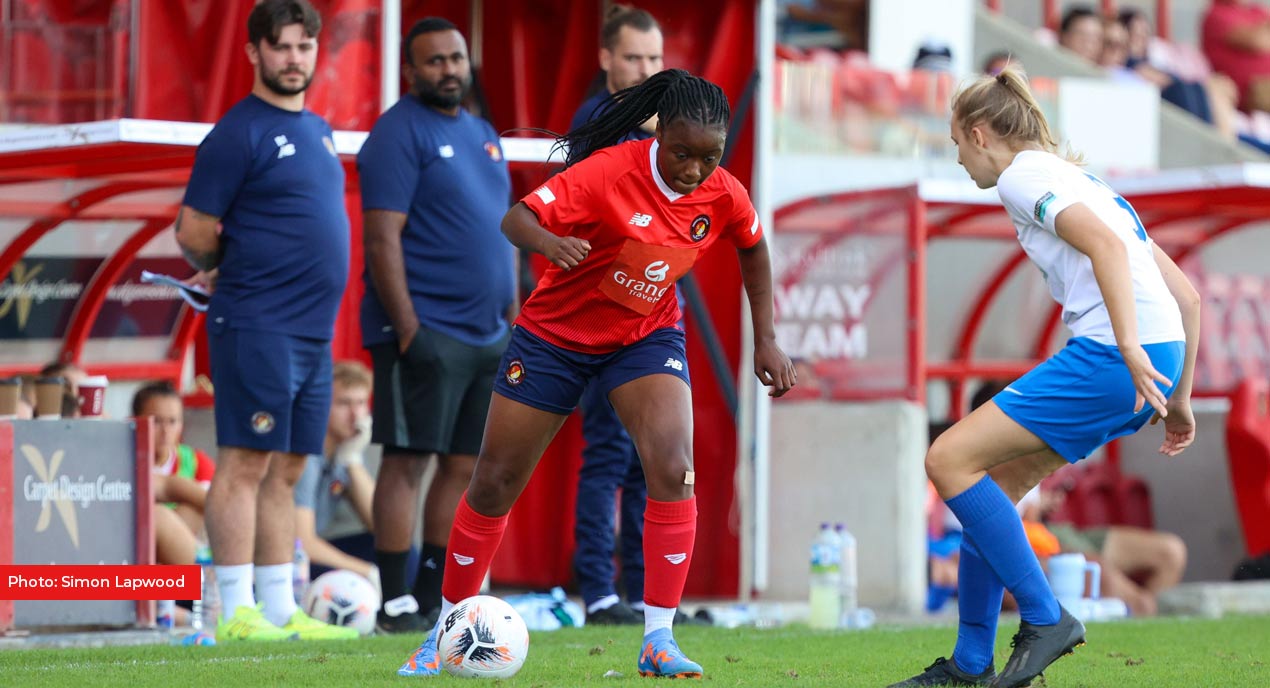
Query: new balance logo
[
  {"x": 284, "y": 149},
  {"x": 462, "y": 560},
  {"x": 677, "y": 365},
  {"x": 676, "y": 559},
  {"x": 641, "y": 220}
]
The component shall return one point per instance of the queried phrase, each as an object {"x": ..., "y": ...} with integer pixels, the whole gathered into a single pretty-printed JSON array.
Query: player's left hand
[
  {"x": 1179, "y": 427},
  {"x": 1144, "y": 378},
  {"x": 773, "y": 367}
]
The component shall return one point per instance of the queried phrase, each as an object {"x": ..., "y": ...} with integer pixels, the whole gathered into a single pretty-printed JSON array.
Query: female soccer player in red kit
[{"x": 620, "y": 224}]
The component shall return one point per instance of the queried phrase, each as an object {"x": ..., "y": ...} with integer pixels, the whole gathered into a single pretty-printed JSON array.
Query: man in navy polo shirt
[
  {"x": 440, "y": 292},
  {"x": 269, "y": 175}
]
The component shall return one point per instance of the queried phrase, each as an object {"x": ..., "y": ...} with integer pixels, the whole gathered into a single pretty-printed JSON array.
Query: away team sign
[{"x": 840, "y": 287}]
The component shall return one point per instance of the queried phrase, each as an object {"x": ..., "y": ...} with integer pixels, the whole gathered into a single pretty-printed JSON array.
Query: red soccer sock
[
  {"x": 473, "y": 541},
  {"x": 669, "y": 531}
]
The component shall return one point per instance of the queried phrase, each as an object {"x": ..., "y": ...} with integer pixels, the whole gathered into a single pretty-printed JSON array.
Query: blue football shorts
[{"x": 1082, "y": 397}]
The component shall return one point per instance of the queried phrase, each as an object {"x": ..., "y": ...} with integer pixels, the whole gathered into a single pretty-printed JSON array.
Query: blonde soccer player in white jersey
[{"x": 1134, "y": 319}]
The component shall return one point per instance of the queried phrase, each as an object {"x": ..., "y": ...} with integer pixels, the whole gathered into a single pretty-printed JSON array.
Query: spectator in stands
[
  {"x": 182, "y": 474},
  {"x": 1127, "y": 47},
  {"x": 1081, "y": 33},
  {"x": 839, "y": 24},
  {"x": 71, "y": 375},
  {"x": 339, "y": 477},
  {"x": 998, "y": 61},
  {"x": 1137, "y": 564},
  {"x": 264, "y": 216},
  {"x": 440, "y": 292},
  {"x": 1236, "y": 39},
  {"x": 933, "y": 57}
]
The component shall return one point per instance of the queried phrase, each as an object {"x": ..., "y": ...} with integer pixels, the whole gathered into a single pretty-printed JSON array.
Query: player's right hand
[
  {"x": 1144, "y": 376},
  {"x": 566, "y": 252}
]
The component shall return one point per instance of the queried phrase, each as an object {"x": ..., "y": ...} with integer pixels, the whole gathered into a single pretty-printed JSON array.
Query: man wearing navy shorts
[
  {"x": 440, "y": 292},
  {"x": 267, "y": 174}
]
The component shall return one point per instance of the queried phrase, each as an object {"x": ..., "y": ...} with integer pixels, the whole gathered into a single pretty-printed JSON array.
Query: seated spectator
[
  {"x": 181, "y": 475},
  {"x": 838, "y": 24},
  {"x": 340, "y": 477},
  {"x": 998, "y": 61},
  {"x": 1235, "y": 36},
  {"x": 71, "y": 375},
  {"x": 1081, "y": 33},
  {"x": 182, "y": 472},
  {"x": 1137, "y": 564},
  {"x": 1212, "y": 101}
]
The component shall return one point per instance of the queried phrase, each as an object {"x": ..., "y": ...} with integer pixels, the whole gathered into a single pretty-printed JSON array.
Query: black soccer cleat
[
  {"x": 407, "y": 622},
  {"x": 618, "y": 614},
  {"x": 1037, "y": 647},
  {"x": 944, "y": 672}
]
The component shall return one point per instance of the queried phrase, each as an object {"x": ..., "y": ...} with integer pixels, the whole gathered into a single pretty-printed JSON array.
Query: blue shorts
[
  {"x": 272, "y": 391},
  {"x": 540, "y": 374},
  {"x": 1082, "y": 397}
]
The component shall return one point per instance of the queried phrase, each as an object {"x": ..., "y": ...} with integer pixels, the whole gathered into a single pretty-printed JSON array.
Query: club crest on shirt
[
  {"x": 700, "y": 227},
  {"x": 515, "y": 372},
  {"x": 494, "y": 152},
  {"x": 261, "y": 422},
  {"x": 330, "y": 146}
]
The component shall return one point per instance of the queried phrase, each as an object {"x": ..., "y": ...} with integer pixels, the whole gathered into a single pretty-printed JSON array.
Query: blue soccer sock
[
  {"x": 988, "y": 518},
  {"x": 979, "y": 593}
]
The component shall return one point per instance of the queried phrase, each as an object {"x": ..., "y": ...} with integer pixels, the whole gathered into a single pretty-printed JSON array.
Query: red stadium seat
[{"x": 1248, "y": 451}]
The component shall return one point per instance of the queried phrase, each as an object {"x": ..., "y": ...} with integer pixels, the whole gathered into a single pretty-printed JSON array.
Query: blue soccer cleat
[
  {"x": 661, "y": 657},
  {"x": 425, "y": 661}
]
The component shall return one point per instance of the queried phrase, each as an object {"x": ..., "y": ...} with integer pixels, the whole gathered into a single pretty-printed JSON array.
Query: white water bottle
[
  {"x": 205, "y": 610},
  {"x": 299, "y": 572},
  {"x": 165, "y": 613},
  {"x": 849, "y": 579},
  {"x": 825, "y": 597}
]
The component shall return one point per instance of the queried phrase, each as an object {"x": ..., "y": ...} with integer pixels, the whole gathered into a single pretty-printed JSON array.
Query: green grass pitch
[{"x": 1158, "y": 653}]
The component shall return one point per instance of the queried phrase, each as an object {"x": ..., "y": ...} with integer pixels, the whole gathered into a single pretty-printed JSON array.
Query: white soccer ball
[
  {"x": 483, "y": 637},
  {"x": 342, "y": 598}
]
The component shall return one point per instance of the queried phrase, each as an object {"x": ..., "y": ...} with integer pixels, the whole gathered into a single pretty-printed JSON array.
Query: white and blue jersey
[
  {"x": 1035, "y": 189},
  {"x": 1083, "y": 396}
]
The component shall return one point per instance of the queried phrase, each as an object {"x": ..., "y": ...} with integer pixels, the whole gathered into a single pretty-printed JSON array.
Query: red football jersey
[{"x": 643, "y": 237}]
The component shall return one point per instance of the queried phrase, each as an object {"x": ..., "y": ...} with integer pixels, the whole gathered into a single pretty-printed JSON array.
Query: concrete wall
[
  {"x": 861, "y": 464},
  {"x": 1191, "y": 495}
]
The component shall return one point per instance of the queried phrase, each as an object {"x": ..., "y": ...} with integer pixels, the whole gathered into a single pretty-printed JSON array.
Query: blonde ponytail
[{"x": 1005, "y": 103}]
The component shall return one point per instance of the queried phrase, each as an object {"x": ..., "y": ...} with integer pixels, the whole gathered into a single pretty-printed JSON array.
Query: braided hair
[{"x": 671, "y": 94}]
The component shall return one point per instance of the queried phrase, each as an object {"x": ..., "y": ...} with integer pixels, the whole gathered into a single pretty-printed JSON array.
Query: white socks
[
  {"x": 658, "y": 617},
  {"x": 446, "y": 607},
  {"x": 602, "y": 603},
  {"x": 234, "y": 584},
  {"x": 273, "y": 588}
]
